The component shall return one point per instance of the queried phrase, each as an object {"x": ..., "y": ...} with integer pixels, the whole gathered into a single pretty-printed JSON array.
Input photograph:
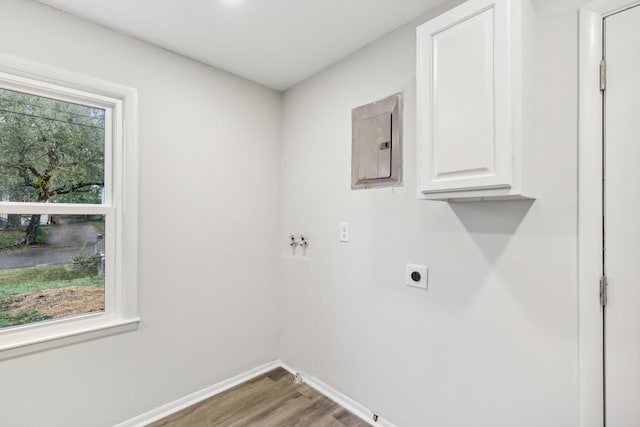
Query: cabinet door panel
[
  {"x": 463, "y": 118},
  {"x": 463, "y": 99}
]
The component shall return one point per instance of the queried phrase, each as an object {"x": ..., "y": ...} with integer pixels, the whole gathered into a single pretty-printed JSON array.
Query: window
[{"x": 67, "y": 249}]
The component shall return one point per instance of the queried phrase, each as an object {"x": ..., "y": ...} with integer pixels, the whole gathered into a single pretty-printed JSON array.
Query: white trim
[
  {"x": 193, "y": 398},
  {"x": 184, "y": 402},
  {"x": 57, "y": 334},
  {"x": 120, "y": 208},
  {"x": 590, "y": 221},
  {"x": 39, "y": 87},
  {"x": 55, "y": 208},
  {"x": 126, "y": 180},
  {"x": 605, "y": 8},
  {"x": 21, "y": 69},
  {"x": 590, "y": 208},
  {"x": 345, "y": 401}
]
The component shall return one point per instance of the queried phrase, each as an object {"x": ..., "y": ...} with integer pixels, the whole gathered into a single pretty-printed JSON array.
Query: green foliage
[
  {"x": 92, "y": 194},
  {"x": 40, "y": 234},
  {"x": 10, "y": 238},
  {"x": 85, "y": 260},
  {"x": 97, "y": 222},
  {"x": 49, "y": 149}
]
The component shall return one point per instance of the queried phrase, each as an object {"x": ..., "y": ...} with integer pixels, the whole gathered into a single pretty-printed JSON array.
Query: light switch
[{"x": 344, "y": 232}]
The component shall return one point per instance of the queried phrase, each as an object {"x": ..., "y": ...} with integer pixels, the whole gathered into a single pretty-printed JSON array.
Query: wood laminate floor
[{"x": 269, "y": 400}]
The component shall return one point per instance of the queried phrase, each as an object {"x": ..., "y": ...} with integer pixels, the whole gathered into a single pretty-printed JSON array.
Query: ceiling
[{"x": 277, "y": 43}]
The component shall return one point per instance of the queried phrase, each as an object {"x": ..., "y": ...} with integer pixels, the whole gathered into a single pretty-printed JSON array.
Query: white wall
[
  {"x": 209, "y": 201},
  {"x": 493, "y": 342}
]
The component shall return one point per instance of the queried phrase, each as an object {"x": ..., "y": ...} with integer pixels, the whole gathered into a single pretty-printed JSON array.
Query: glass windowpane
[
  {"x": 59, "y": 274},
  {"x": 50, "y": 150}
]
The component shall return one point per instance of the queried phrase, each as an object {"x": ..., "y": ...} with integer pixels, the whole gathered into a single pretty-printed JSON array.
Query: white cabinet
[{"x": 473, "y": 102}]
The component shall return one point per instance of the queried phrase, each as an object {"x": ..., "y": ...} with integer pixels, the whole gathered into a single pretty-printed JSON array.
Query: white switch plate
[
  {"x": 423, "y": 278},
  {"x": 344, "y": 232}
]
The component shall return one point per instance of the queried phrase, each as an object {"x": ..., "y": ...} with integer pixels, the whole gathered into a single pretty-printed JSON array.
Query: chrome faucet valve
[
  {"x": 304, "y": 243},
  {"x": 293, "y": 243}
]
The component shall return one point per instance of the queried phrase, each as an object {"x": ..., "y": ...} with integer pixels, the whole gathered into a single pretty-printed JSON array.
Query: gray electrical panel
[{"x": 376, "y": 155}]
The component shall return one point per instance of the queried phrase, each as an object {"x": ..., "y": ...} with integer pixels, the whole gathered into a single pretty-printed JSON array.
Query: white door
[{"x": 622, "y": 218}]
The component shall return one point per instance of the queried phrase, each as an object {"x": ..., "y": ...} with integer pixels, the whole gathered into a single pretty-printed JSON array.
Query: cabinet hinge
[
  {"x": 603, "y": 75},
  {"x": 603, "y": 291}
]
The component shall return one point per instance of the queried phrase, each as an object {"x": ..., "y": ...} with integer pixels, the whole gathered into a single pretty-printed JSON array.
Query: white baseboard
[
  {"x": 341, "y": 399},
  {"x": 172, "y": 407},
  {"x": 193, "y": 398}
]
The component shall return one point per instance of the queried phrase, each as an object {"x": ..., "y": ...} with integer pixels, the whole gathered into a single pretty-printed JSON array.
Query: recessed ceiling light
[{"x": 232, "y": 1}]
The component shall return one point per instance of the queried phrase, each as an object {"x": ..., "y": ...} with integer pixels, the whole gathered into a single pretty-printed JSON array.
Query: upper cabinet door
[{"x": 466, "y": 139}]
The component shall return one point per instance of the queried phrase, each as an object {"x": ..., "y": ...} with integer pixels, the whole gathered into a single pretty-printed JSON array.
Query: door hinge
[
  {"x": 603, "y": 75},
  {"x": 603, "y": 291}
]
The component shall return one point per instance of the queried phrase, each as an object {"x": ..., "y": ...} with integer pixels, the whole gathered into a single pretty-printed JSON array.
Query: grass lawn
[
  {"x": 10, "y": 237},
  {"x": 23, "y": 318},
  {"x": 23, "y": 280}
]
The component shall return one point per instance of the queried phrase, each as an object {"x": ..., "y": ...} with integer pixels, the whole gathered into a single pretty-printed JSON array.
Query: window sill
[{"x": 31, "y": 339}]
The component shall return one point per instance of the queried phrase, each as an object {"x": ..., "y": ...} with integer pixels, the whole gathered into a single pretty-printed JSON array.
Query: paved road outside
[{"x": 66, "y": 240}]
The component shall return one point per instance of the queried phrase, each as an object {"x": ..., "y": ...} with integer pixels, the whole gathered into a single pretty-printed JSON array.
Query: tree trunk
[{"x": 31, "y": 237}]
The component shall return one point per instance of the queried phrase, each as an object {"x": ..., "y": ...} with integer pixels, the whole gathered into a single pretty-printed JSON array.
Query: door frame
[{"x": 590, "y": 207}]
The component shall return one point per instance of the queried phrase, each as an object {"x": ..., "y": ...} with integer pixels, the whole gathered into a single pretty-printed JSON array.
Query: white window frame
[{"x": 119, "y": 208}]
